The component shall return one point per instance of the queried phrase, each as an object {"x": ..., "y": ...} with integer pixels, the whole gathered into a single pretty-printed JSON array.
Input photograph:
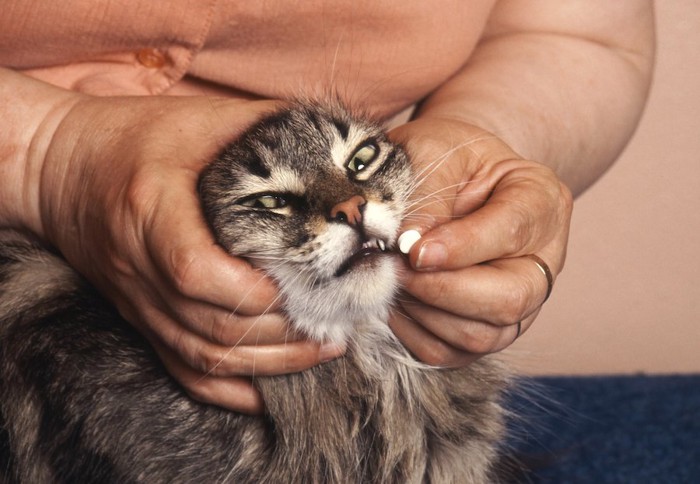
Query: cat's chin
[{"x": 332, "y": 310}]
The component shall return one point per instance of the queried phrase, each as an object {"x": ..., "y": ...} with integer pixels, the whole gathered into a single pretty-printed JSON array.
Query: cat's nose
[{"x": 349, "y": 211}]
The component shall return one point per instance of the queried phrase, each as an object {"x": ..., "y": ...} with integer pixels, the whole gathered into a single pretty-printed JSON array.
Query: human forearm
[
  {"x": 563, "y": 83},
  {"x": 30, "y": 112}
]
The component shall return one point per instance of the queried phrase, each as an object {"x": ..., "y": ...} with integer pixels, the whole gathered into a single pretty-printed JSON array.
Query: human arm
[
  {"x": 561, "y": 83},
  {"x": 111, "y": 183}
]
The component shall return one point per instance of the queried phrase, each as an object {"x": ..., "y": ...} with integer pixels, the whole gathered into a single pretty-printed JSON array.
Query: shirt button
[{"x": 151, "y": 58}]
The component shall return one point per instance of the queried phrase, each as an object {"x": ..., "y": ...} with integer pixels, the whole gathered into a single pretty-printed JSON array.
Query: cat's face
[{"x": 315, "y": 198}]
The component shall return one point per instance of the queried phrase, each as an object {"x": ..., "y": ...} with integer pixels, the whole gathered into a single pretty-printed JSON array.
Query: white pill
[{"x": 407, "y": 240}]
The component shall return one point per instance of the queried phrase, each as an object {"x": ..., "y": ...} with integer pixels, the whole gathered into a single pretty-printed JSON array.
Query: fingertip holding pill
[{"x": 408, "y": 240}]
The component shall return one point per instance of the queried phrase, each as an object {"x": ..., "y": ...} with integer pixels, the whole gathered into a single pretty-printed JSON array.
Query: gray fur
[{"x": 84, "y": 399}]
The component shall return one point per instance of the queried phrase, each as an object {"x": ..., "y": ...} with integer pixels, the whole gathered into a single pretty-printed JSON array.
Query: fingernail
[
  {"x": 431, "y": 256},
  {"x": 330, "y": 351}
]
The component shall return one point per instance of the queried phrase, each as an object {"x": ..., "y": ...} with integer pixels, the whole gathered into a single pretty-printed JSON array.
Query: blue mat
[{"x": 626, "y": 429}]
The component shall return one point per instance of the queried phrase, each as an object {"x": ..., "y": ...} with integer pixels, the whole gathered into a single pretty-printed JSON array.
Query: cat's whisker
[
  {"x": 430, "y": 168},
  {"x": 444, "y": 156},
  {"x": 334, "y": 63},
  {"x": 352, "y": 99},
  {"x": 253, "y": 325},
  {"x": 423, "y": 203},
  {"x": 436, "y": 194}
]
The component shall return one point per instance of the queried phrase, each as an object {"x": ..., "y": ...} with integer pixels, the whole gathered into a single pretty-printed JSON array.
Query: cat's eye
[
  {"x": 269, "y": 202},
  {"x": 363, "y": 157}
]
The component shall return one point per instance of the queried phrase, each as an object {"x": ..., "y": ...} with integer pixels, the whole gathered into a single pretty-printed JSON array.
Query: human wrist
[{"x": 31, "y": 113}]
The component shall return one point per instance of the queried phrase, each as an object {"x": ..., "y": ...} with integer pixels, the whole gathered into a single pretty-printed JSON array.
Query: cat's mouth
[{"x": 367, "y": 251}]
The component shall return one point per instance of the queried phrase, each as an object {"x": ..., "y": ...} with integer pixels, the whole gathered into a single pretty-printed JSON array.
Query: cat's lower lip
[{"x": 358, "y": 257}]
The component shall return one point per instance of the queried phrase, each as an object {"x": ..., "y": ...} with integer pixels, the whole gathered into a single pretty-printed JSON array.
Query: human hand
[
  {"x": 471, "y": 288},
  {"x": 118, "y": 199}
]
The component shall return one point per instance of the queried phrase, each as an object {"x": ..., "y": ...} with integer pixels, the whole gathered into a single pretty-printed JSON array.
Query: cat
[{"x": 314, "y": 196}]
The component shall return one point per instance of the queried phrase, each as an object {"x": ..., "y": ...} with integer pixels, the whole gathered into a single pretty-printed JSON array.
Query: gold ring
[{"x": 542, "y": 265}]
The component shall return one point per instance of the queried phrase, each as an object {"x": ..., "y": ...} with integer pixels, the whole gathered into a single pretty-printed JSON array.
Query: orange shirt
[{"x": 383, "y": 55}]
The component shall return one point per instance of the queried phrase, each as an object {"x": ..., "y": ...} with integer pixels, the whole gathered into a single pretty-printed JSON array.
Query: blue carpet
[{"x": 621, "y": 429}]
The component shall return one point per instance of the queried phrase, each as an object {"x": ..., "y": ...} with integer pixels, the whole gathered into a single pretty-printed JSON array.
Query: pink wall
[{"x": 629, "y": 297}]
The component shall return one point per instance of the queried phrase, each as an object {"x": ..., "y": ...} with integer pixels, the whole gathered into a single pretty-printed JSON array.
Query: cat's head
[{"x": 314, "y": 197}]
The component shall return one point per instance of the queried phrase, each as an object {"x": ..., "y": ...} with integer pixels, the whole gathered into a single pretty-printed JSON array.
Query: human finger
[
  {"x": 227, "y": 328},
  {"x": 233, "y": 393},
  {"x": 527, "y": 209},
  {"x": 501, "y": 292},
  {"x": 218, "y": 360},
  {"x": 427, "y": 347},
  {"x": 182, "y": 247},
  {"x": 138, "y": 302},
  {"x": 475, "y": 337}
]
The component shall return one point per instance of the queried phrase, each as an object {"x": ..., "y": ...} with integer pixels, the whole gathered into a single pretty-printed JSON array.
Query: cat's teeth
[{"x": 375, "y": 244}]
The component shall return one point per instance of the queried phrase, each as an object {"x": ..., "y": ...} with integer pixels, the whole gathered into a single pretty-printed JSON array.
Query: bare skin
[
  {"x": 503, "y": 206},
  {"x": 67, "y": 160}
]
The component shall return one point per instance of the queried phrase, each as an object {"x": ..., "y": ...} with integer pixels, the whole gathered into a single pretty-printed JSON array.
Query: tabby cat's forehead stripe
[
  {"x": 342, "y": 128},
  {"x": 255, "y": 163}
]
